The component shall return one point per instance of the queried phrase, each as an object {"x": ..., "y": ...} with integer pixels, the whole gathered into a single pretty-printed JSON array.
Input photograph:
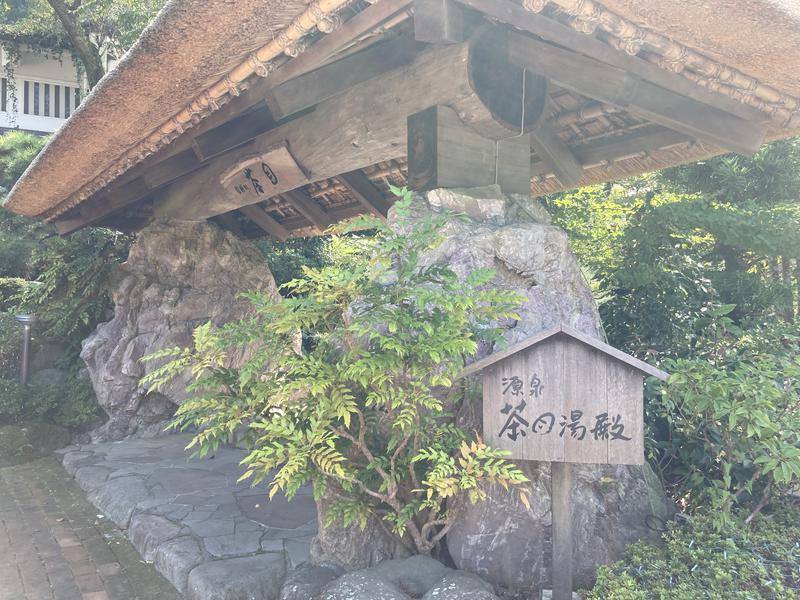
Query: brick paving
[{"x": 53, "y": 544}]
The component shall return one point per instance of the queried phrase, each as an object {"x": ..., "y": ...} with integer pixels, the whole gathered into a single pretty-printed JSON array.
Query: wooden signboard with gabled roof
[{"x": 562, "y": 396}]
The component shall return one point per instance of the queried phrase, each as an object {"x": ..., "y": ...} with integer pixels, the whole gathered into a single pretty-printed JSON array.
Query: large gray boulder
[
  {"x": 351, "y": 547},
  {"x": 406, "y": 579},
  {"x": 499, "y": 539},
  {"x": 178, "y": 275}
]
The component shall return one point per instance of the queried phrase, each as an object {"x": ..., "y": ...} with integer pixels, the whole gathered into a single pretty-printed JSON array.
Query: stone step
[{"x": 208, "y": 534}]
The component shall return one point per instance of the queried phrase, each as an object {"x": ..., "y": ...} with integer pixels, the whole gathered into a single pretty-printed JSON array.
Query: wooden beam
[
  {"x": 615, "y": 86},
  {"x": 308, "y": 207},
  {"x": 548, "y": 29},
  {"x": 170, "y": 169},
  {"x": 438, "y": 21},
  {"x": 231, "y": 134},
  {"x": 362, "y": 23},
  {"x": 647, "y": 139},
  {"x": 99, "y": 207},
  {"x": 312, "y": 88},
  {"x": 263, "y": 219},
  {"x": 366, "y": 193},
  {"x": 555, "y": 153},
  {"x": 350, "y": 131}
]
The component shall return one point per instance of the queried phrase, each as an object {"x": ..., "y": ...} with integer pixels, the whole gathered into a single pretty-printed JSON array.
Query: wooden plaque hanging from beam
[{"x": 260, "y": 176}]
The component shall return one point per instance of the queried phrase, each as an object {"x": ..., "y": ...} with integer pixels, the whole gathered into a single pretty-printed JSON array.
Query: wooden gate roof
[{"x": 199, "y": 67}]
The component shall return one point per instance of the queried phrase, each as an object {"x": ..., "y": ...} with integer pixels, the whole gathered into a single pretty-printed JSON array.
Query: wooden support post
[
  {"x": 444, "y": 152},
  {"x": 560, "y": 487},
  {"x": 438, "y": 21}
]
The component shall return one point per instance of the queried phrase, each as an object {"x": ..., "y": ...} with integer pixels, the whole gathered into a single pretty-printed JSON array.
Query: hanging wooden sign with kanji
[
  {"x": 562, "y": 396},
  {"x": 261, "y": 176}
]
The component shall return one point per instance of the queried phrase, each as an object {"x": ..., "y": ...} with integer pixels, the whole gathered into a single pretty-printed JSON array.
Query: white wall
[{"x": 52, "y": 74}]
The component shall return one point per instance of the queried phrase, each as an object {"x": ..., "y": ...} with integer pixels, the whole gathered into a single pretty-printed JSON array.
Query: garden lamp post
[{"x": 27, "y": 321}]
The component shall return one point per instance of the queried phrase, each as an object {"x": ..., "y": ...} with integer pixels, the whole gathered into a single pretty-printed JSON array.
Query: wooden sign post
[{"x": 564, "y": 397}]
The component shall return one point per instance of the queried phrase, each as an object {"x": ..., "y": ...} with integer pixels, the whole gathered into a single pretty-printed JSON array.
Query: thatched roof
[
  {"x": 194, "y": 56},
  {"x": 187, "y": 48}
]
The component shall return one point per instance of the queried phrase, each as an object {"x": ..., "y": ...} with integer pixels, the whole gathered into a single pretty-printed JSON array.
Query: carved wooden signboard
[
  {"x": 260, "y": 176},
  {"x": 562, "y": 396}
]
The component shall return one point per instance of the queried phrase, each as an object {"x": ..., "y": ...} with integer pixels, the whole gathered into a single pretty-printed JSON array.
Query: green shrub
[
  {"x": 10, "y": 400},
  {"x": 14, "y": 444},
  {"x": 696, "y": 561},
  {"x": 71, "y": 404},
  {"x": 78, "y": 408},
  {"x": 726, "y": 427},
  {"x": 366, "y": 412},
  {"x": 9, "y": 345}
]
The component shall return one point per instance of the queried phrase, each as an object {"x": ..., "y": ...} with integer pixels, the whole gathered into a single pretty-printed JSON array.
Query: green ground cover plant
[{"x": 697, "y": 561}]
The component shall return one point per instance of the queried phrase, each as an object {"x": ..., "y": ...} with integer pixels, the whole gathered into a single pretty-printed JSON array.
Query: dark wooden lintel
[
  {"x": 170, "y": 168},
  {"x": 233, "y": 133}
]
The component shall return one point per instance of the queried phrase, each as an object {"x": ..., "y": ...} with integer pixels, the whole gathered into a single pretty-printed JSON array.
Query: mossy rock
[{"x": 28, "y": 441}]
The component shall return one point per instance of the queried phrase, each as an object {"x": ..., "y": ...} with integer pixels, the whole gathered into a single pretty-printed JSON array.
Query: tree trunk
[{"x": 81, "y": 44}]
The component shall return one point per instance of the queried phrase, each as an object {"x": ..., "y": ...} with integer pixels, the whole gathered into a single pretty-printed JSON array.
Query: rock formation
[
  {"x": 178, "y": 275},
  {"x": 499, "y": 539}
]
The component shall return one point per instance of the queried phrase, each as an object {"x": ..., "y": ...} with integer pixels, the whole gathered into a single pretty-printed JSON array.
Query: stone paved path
[
  {"x": 209, "y": 535},
  {"x": 54, "y": 546}
]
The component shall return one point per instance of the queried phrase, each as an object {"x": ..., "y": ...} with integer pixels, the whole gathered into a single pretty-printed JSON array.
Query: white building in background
[{"x": 39, "y": 90}]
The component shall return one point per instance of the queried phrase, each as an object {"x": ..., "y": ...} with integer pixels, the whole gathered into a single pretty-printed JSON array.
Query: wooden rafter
[
  {"x": 506, "y": 11},
  {"x": 312, "y": 88},
  {"x": 308, "y": 207},
  {"x": 264, "y": 220},
  {"x": 618, "y": 87},
  {"x": 647, "y": 139},
  {"x": 555, "y": 153},
  {"x": 366, "y": 193}
]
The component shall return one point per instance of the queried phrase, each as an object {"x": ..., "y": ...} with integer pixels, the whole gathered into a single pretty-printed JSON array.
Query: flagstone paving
[
  {"x": 208, "y": 534},
  {"x": 54, "y": 546}
]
